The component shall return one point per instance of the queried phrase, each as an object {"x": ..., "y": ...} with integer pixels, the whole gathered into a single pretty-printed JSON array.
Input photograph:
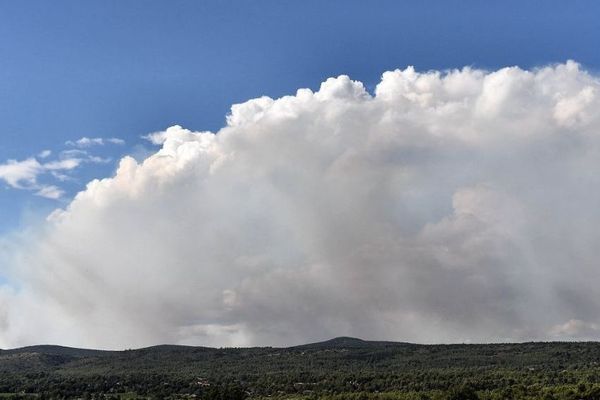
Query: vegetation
[{"x": 342, "y": 368}]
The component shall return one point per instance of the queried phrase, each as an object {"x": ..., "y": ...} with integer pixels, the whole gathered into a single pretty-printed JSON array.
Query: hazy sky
[{"x": 420, "y": 171}]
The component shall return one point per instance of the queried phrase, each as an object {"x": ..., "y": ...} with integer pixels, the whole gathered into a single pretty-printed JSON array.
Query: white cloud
[
  {"x": 73, "y": 153},
  {"x": 99, "y": 160},
  {"x": 19, "y": 173},
  {"x": 116, "y": 141},
  {"x": 450, "y": 206},
  {"x": 45, "y": 154},
  {"x": 85, "y": 142},
  {"x": 50, "y": 192},
  {"x": 65, "y": 164},
  {"x": 24, "y": 174},
  {"x": 89, "y": 142},
  {"x": 83, "y": 156}
]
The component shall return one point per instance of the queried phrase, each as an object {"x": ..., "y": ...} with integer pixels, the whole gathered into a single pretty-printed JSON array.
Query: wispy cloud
[
  {"x": 24, "y": 175},
  {"x": 19, "y": 174},
  {"x": 83, "y": 155},
  {"x": 66, "y": 164},
  {"x": 45, "y": 153},
  {"x": 90, "y": 142},
  {"x": 50, "y": 192}
]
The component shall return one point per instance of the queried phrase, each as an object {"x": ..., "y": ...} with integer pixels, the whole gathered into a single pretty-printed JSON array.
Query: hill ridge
[{"x": 338, "y": 341}]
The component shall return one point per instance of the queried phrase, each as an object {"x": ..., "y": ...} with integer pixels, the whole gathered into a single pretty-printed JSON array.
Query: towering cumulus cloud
[{"x": 447, "y": 206}]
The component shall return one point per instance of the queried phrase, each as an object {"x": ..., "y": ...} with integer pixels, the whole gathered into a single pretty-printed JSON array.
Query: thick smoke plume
[{"x": 445, "y": 207}]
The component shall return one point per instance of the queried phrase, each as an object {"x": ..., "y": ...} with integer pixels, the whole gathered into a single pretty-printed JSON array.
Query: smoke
[{"x": 445, "y": 207}]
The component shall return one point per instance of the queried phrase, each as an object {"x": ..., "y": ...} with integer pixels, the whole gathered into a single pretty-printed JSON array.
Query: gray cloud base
[{"x": 447, "y": 207}]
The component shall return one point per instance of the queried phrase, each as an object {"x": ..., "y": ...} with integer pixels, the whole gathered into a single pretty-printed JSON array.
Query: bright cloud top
[{"x": 447, "y": 206}]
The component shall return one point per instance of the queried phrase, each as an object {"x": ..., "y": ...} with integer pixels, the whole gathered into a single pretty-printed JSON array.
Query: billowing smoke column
[{"x": 447, "y": 206}]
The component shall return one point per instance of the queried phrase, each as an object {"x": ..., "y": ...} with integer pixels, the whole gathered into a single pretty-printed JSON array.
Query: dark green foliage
[
  {"x": 224, "y": 392},
  {"x": 342, "y": 368},
  {"x": 463, "y": 392}
]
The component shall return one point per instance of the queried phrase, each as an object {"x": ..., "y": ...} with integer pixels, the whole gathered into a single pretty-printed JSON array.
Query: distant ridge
[
  {"x": 349, "y": 342},
  {"x": 48, "y": 349},
  {"x": 337, "y": 342},
  {"x": 55, "y": 350},
  {"x": 342, "y": 341}
]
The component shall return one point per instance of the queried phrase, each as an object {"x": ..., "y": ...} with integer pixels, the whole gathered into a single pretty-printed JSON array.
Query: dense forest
[{"x": 341, "y": 368}]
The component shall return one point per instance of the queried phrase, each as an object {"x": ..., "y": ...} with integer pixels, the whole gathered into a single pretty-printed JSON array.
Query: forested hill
[{"x": 337, "y": 367}]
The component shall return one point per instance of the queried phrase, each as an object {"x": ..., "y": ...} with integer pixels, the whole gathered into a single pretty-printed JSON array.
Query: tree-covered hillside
[{"x": 339, "y": 368}]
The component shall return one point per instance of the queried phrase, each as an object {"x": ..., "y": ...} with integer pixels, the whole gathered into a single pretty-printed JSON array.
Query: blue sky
[{"x": 103, "y": 69}]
